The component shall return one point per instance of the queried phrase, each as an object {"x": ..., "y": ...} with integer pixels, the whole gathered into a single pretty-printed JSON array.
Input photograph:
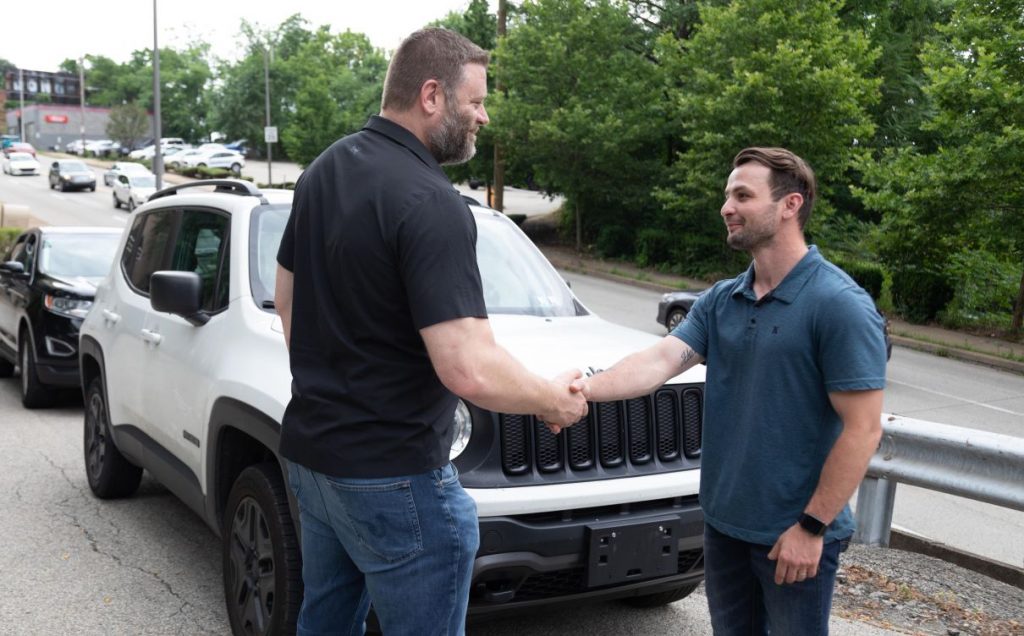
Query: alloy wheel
[{"x": 252, "y": 566}]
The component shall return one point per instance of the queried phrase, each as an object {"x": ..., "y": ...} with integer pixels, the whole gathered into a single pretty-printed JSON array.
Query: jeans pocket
[{"x": 382, "y": 519}]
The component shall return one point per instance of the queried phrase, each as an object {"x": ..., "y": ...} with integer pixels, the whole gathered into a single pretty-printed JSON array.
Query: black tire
[
  {"x": 261, "y": 560},
  {"x": 202, "y": 165},
  {"x": 661, "y": 598},
  {"x": 110, "y": 475},
  {"x": 34, "y": 394},
  {"x": 675, "y": 316},
  {"x": 117, "y": 204},
  {"x": 131, "y": 204},
  {"x": 92, "y": 188},
  {"x": 236, "y": 168}
]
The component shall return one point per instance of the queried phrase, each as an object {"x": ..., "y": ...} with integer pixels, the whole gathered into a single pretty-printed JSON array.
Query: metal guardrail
[{"x": 959, "y": 461}]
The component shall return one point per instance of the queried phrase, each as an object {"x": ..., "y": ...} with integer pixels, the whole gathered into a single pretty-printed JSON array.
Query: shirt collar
[
  {"x": 404, "y": 137},
  {"x": 787, "y": 290}
]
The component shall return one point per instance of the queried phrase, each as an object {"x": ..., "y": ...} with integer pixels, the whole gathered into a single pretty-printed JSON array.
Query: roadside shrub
[
  {"x": 653, "y": 246},
  {"x": 919, "y": 294},
  {"x": 614, "y": 240},
  {"x": 984, "y": 287},
  {"x": 7, "y": 236}
]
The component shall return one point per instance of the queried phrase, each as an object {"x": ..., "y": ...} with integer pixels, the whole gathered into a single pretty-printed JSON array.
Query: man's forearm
[{"x": 641, "y": 373}]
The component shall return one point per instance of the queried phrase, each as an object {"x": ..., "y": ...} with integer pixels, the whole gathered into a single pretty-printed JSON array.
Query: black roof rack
[{"x": 230, "y": 186}]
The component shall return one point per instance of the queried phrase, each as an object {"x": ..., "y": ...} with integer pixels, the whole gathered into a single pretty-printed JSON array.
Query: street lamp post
[
  {"x": 158, "y": 158},
  {"x": 266, "y": 91},
  {"x": 81, "y": 100},
  {"x": 21, "y": 105}
]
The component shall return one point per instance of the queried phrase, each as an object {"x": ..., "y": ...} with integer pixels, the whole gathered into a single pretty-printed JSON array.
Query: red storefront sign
[{"x": 55, "y": 119}]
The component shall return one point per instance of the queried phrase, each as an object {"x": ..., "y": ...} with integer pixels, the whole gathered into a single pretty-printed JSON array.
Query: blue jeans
[
  {"x": 405, "y": 543},
  {"x": 739, "y": 580}
]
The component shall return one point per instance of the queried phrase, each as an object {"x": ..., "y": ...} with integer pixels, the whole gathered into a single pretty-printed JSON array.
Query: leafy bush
[
  {"x": 919, "y": 294},
  {"x": 7, "y": 236},
  {"x": 653, "y": 246},
  {"x": 984, "y": 287},
  {"x": 614, "y": 240}
]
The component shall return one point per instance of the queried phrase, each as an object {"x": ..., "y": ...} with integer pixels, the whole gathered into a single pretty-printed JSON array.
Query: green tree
[
  {"x": 964, "y": 195},
  {"x": 342, "y": 78},
  {"x": 128, "y": 124},
  {"x": 583, "y": 111},
  {"x": 763, "y": 73}
]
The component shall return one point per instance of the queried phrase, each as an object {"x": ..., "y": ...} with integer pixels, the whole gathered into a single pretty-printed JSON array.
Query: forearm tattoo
[{"x": 687, "y": 357}]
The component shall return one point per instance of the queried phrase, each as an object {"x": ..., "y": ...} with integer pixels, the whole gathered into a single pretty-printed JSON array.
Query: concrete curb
[
  {"x": 910, "y": 542},
  {"x": 947, "y": 351}
]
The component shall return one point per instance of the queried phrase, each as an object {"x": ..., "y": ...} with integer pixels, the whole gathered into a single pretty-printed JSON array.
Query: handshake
[{"x": 571, "y": 392}]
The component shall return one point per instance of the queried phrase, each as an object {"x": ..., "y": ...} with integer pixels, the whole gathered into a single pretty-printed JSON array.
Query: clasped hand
[{"x": 571, "y": 405}]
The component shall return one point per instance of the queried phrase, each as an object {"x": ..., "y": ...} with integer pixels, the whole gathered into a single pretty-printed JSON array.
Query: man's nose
[{"x": 481, "y": 117}]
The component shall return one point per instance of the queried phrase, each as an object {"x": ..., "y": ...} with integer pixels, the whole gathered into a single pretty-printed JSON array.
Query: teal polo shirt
[{"x": 771, "y": 364}]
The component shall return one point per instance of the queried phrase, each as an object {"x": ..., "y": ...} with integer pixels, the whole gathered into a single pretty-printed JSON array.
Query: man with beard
[
  {"x": 381, "y": 301},
  {"x": 795, "y": 355}
]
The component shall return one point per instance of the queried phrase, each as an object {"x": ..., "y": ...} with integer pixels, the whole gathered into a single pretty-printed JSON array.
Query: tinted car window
[
  {"x": 144, "y": 252},
  {"x": 78, "y": 255},
  {"x": 201, "y": 243}
]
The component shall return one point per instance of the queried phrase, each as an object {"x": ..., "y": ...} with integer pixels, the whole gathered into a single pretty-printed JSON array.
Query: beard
[
  {"x": 453, "y": 142},
  {"x": 756, "y": 232}
]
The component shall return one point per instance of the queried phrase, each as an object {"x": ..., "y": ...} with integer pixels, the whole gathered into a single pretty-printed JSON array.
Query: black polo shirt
[{"x": 381, "y": 246}]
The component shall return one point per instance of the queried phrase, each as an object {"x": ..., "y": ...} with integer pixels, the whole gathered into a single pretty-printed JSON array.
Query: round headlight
[{"x": 463, "y": 430}]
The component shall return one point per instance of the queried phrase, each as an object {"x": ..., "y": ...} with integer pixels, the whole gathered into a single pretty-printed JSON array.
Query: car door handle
[
  {"x": 151, "y": 337},
  {"x": 111, "y": 317}
]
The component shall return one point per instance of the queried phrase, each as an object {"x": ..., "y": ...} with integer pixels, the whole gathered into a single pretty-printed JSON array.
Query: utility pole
[
  {"x": 21, "y": 106},
  {"x": 268, "y": 137},
  {"x": 158, "y": 156},
  {"x": 498, "y": 201},
  {"x": 81, "y": 100}
]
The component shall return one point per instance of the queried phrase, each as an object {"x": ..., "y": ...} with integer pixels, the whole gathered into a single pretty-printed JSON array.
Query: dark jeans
[
  {"x": 406, "y": 543},
  {"x": 744, "y": 600}
]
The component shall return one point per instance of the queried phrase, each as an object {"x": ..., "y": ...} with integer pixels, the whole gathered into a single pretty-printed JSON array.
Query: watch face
[{"x": 812, "y": 525}]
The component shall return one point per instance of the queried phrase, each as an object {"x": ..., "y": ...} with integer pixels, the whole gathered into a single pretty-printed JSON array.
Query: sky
[{"x": 40, "y": 36}]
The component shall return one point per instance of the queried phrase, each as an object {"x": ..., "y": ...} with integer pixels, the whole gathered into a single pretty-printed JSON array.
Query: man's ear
[
  {"x": 792, "y": 203},
  {"x": 431, "y": 97}
]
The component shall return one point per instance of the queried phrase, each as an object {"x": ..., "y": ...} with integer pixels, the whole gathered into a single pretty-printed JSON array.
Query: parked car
[
  {"x": 102, "y": 147},
  {"x": 149, "y": 151},
  {"x": 75, "y": 147},
  {"x": 123, "y": 167},
  {"x": 71, "y": 174},
  {"x": 177, "y": 159},
  {"x": 186, "y": 375},
  {"x": 47, "y": 283},
  {"x": 20, "y": 146},
  {"x": 132, "y": 190},
  {"x": 229, "y": 159},
  {"x": 241, "y": 146},
  {"x": 674, "y": 306},
  {"x": 20, "y": 163}
]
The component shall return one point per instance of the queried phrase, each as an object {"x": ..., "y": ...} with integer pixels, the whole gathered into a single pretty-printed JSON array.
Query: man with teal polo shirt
[{"x": 795, "y": 355}]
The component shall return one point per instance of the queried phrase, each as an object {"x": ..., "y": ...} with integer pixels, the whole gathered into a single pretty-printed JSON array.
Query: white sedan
[
  {"x": 229, "y": 159},
  {"x": 20, "y": 163},
  {"x": 132, "y": 190}
]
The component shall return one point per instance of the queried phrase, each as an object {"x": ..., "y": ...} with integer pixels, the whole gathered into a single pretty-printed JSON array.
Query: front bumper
[{"x": 539, "y": 559}]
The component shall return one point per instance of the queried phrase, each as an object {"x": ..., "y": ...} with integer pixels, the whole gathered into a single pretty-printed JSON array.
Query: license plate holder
[{"x": 622, "y": 553}]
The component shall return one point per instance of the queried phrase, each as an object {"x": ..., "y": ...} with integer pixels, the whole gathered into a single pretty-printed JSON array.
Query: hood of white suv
[{"x": 548, "y": 346}]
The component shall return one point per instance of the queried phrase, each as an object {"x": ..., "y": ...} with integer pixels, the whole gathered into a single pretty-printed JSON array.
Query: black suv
[
  {"x": 70, "y": 174},
  {"x": 47, "y": 282}
]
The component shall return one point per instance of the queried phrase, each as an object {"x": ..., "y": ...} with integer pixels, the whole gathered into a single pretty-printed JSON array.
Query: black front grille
[{"x": 659, "y": 430}]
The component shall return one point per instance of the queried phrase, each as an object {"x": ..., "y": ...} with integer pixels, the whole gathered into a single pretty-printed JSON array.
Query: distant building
[{"x": 56, "y": 117}]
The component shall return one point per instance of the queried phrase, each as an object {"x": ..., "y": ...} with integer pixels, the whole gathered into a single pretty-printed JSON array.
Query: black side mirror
[
  {"x": 179, "y": 293},
  {"x": 12, "y": 267}
]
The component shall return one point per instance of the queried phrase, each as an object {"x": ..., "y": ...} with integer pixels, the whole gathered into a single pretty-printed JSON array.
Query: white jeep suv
[{"x": 186, "y": 375}]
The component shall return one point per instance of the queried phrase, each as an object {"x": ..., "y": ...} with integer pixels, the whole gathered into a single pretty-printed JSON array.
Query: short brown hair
[
  {"x": 431, "y": 53},
  {"x": 789, "y": 174}
]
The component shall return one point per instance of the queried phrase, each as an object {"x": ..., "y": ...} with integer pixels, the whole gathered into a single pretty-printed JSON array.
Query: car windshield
[
  {"x": 516, "y": 277},
  {"x": 78, "y": 255},
  {"x": 21, "y": 156},
  {"x": 74, "y": 166},
  {"x": 143, "y": 182}
]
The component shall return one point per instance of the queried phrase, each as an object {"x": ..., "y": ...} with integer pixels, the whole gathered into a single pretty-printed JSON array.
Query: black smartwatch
[{"x": 813, "y": 525}]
